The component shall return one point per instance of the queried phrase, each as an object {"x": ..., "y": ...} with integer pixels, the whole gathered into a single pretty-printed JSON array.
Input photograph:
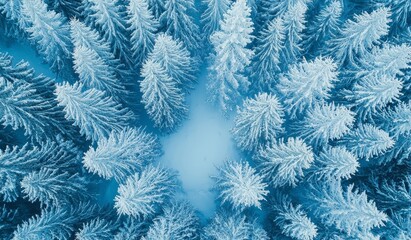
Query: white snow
[{"x": 197, "y": 147}]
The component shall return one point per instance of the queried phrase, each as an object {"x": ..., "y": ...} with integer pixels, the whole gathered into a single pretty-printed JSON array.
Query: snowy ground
[{"x": 197, "y": 147}]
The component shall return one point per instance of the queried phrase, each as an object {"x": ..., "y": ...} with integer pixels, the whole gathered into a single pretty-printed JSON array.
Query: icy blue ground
[{"x": 197, "y": 147}]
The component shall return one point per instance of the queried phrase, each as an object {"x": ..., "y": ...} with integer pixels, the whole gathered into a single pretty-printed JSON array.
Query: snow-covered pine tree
[
  {"x": 23, "y": 107},
  {"x": 227, "y": 78},
  {"x": 258, "y": 121},
  {"x": 292, "y": 219},
  {"x": 94, "y": 72},
  {"x": 178, "y": 22},
  {"x": 143, "y": 26},
  {"x": 227, "y": 226},
  {"x": 84, "y": 36},
  {"x": 163, "y": 100},
  {"x": 55, "y": 222},
  {"x": 16, "y": 162},
  {"x": 400, "y": 11},
  {"x": 397, "y": 120},
  {"x": 367, "y": 141},
  {"x": 358, "y": 36},
  {"x": 307, "y": 83},
  {"x": 132, "y": 229},
  {"x": 335, "y": 163},
  {"x": 325, "y": 122},
  {"x": 294, "y": 25},
  {"x": 347, "y": 210},
  {"x": 109, "y": 18},
  {"x": 143, "y": 193},
  {"x": 11, "y": 21},
  {"x": 213, "y": 15},
  {"x": 53, "y": 187},
  {"x": 157, "y": 7},
  {"x": 97, "y": 228},
  {"x": 282, "y": 163},
  {"x": 178, "y": 221},
  {"x": 240, "y": 185},
  {"x": 70, "y": 8},
  {"x": 95, "y": 114},
  {"x": 390, "y": 60},
  {"x": 122, "y": 153},
  {"x": 324, "y": 27},
  {"x": 373, "y": 93},
  {"x": 52, "y": 223},
  {"x": 275, "y": 8},
  {"x": 49, "y": 31},
  {"x": 176, "y": 61},
  {"x": 266, "y": 62},
  {"x": 391, "y": 195}
]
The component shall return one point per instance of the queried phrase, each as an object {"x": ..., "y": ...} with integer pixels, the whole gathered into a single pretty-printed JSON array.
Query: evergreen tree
[
  {"x": 324, "y": 27},
  {"x": 259, "y": 121},
  {"x": 122, "y": 153},
  {"x": 282, "y": 163},
  {"x": 240, "y": 185},
  {"x": 180, "y": 24},
  {"x": 397, "y": 120},
  {"x": 162, "y": 98},
  {"x": 176, "y": 60},
  {"x": 389, "y": 60},
  {"x": 275, "y": 8},
  {"x": 143, "y": 27},
  {"x": 307, "y": 83},
  {"x": 294, "y": 24},
  {"x": 94, "y": 72},
  {"x": 213, "y": 15},
  {"x": 132, "y": 229},
  {"x": 325, "y": 122},
  {"x": 292, "y": 220},
  {"x": 23, "y": 107},
  {"x": 400, "y": 11},
  {"x": 143, "y": 193},
  {"x": 52, "y": 223},
  {"x": 157, "y": 7},
  {"x": 226, "y": 226},
  {"x": 347, "y": 210},
  {"x": 49, "y": 31},
  {"x": 266, "y": 62},
  {"x": 336, "y": 163},
  {"x": 109, "y": 18},
  {"x": 178, "y": 221},
  {"x": 11, "y": 19},
  {"x": 373, "y": 93},
  {"x": 359, "y": 35},
  {"x": 84, "y": 36},
  {"x": 95, "y": 114},
  {"x": 228, "y": 81},
  {"x": 16, "y": 162},
  {"x": 96, "y": 229},
  {"x": 53, "y": 187},
  {"x": 367, "y": 141},
  {"x": 70, "y": 8}
]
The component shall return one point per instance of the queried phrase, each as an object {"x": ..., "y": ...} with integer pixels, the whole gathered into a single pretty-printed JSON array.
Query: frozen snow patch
[{"x": 201, "y": 144}]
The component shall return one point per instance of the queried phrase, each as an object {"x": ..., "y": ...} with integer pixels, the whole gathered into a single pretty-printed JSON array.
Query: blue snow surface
[{"x": 198, "y": 147}]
